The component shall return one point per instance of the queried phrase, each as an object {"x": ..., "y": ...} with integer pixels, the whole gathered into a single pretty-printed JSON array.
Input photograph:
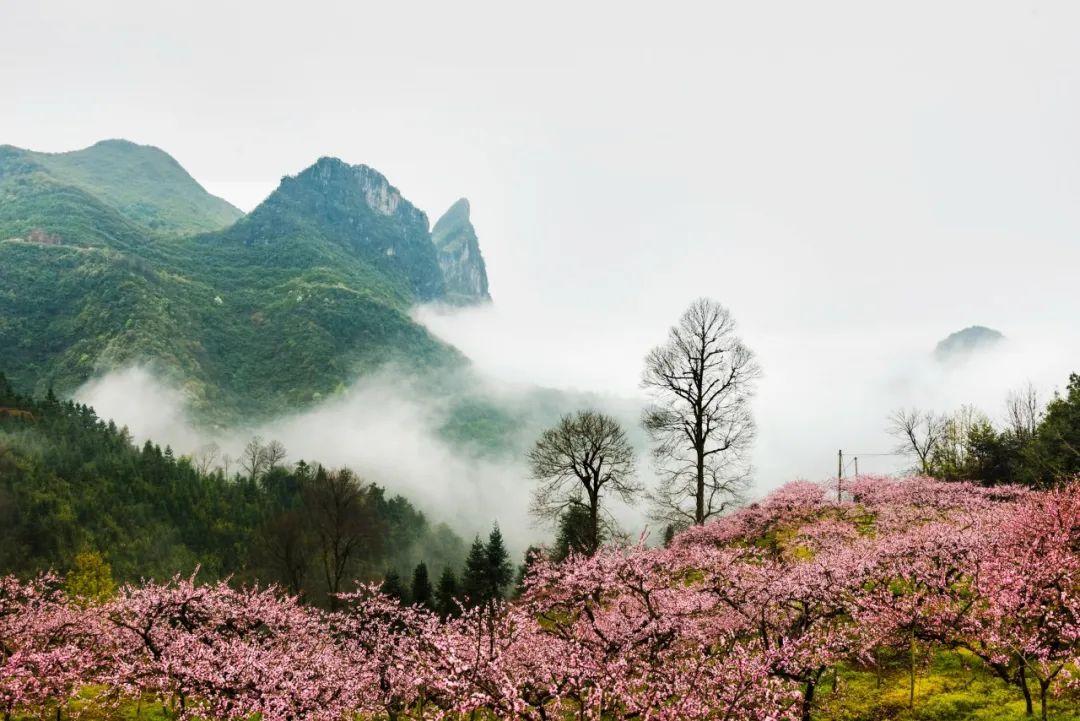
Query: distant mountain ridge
[
  {"x": 276, "y": 310},
  {"x": 143, "y": 183}
]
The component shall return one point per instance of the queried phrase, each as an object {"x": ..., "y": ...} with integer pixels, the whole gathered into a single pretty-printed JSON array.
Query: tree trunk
[
  {"x": 699, "y": 510},
  {"x": 1044, "y": 687},
  {"x": 808, "y": 700},
  {"x": 911, "y": 672},
  {"x": 594, "y": 523},
  {"x": 1021, "y": 681}
]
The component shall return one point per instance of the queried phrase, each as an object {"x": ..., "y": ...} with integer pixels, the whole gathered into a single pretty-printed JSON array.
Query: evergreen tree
[
  {"x": 533, "y": 554},
  {"x": 474, "y": 580},
  {"x": 500, "y": 571},
  {"x": 574, "y": 533},
  {"x": 446, "y": 594},
  {"x": 393, "y": 587},
  {"x": 421, "y": 586}
]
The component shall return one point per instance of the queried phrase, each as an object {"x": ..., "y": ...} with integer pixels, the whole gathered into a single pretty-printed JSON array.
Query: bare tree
[
  {"x": 285, "y": 544},
  {"x": 205, "y": 458},
  {"x": 701, "y": 381},
  {"x": 920, "y": 435},
  {"x": 344, "y": 524},
  {"x": 575, "y": 462},
  {"x": 1024, "y": 410},
  {"x": 253, "y": 458},
  {"x": 273, "y": 454}
]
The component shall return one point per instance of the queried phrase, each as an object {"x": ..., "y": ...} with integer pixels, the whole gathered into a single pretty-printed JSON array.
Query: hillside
[
  {"x": 143, "y": 183},
  {"x": 71, "y": 483},
  {"x": 278, "y": 310}
]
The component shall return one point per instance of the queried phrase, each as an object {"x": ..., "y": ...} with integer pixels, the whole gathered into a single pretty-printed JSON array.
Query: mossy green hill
[
  {"x": 102, "y": 265},
  {"x": 144, "y": 183}
]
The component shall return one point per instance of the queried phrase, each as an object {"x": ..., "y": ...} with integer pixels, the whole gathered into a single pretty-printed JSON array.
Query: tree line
[{"x": 1037, "y": 444}]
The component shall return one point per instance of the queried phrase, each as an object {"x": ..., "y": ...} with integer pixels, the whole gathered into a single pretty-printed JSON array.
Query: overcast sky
[{"x": 855, "y": 180}]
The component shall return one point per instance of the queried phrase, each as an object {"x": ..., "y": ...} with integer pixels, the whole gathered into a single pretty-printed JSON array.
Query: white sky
[{"x": 854, "y": 179}]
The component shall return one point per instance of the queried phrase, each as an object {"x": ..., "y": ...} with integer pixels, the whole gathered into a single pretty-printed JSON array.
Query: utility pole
[
  {"x": 856, "y": 468},
  {"x": 839, "y": 474}
]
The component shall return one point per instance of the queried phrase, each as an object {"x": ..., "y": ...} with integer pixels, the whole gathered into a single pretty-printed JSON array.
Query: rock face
[
  {"x": 459, "y": 256},
  {"x": 356, "y": 207},
  {"x": 967, "y": 342}
]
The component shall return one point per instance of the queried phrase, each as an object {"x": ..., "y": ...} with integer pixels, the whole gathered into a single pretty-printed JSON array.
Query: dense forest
[{"x": 75, "y": 492}]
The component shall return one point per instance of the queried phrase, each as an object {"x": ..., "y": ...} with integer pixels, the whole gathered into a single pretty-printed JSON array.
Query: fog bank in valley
[{"x": 819, "y": 393}]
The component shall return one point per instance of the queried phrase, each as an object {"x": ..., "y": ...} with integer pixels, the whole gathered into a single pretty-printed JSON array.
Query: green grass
[{"x": 954, "y": 687}]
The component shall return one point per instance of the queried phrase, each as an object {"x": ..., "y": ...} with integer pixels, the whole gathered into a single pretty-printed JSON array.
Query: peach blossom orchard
[{"x": 742, "y": 618}]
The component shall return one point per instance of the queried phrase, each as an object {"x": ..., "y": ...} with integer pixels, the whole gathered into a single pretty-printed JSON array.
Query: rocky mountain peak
[{"x": 458, "y": 249}]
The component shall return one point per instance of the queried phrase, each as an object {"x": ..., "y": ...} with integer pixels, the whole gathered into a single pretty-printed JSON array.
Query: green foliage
[
  {"x": 1056, "y": 445},
  {"x": 392, "y": 586},
  {"x": 70, "y": 482},
  {"x": 446, "y": 594},
  {"x": 1041, "y": 450},
  {"x": 421, "y": 592},
  {"x": 90, "y": 578},
  {"x": 574, "y": 533}
]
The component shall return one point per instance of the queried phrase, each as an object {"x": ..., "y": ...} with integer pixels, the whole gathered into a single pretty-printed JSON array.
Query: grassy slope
[{"x": 951, "y": 686}]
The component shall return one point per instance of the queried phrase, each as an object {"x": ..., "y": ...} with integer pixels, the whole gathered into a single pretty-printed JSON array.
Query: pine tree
[
  {"x": 500, "y": 571},
  {"x": 533, "y": 554},
  {"x": 574, "y": 533},
  {"x": 474, "y": 581},
  {"x": 421, "y": 586},
  {"x": 392, "y": 586},
  {"x": 446, "y": 594}
]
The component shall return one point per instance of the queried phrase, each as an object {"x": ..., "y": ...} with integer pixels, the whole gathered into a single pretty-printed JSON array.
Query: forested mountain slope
[
  {"x": 72, "y": 484},
  {"x": 276, "y": 311}
]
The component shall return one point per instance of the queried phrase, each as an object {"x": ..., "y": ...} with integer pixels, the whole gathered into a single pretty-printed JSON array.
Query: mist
[
  {"x": 385, "y": 427},
  {"x": 820, "y": 393}
]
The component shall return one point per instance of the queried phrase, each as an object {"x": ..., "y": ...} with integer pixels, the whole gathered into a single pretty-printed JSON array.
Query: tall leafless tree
[
  {"x": 344, "y": 525},
  {"x": 920, "y": 436},
  {"x": 701, "y": 381},
  {"x": 205, "y": 458},
  {"x": 575, "y": 462},
  {"x": 253, "y": 458},
  {"x": 273, "y": 454},
  {"x": 1024, "y": 410}
]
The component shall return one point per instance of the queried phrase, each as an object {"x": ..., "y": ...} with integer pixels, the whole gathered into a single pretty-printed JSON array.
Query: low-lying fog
[{"x": 820, "y": 393}]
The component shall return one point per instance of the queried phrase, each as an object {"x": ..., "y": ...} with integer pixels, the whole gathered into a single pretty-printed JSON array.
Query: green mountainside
[
  {"x": 278, "y": 310},
  {"x": 142, "y": 182}
]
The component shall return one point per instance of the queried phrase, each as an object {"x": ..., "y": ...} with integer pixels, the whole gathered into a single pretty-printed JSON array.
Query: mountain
[
  {"x": 460, "y": 259},
  {"x": 964, "y": 343},
  {"x": 276, "y": 311},
  {"x": 143, "y": 183}
]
